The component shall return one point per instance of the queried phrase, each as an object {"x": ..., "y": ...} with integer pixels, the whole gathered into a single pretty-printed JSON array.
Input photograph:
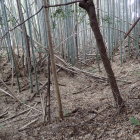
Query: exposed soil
[{"x": 88, "y": 106}]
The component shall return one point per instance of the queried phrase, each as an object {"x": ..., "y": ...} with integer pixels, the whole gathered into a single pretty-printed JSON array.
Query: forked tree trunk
[{"x": 89, "y": 6}]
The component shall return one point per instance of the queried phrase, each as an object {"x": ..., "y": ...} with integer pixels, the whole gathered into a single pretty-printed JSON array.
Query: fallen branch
[
  {"x": 66, "y": 69},
  {"x": 3, "y": 115},
  {"x": 61, "y": 60},
  {"x": 80, "y": 90},
  {"x": 75, "y": 70},
  {"x": 11, "y": 94},
  {"x": 97, "y": 77},
  {"x": 31, "y": 109},
  {"x": 27, "y": 125},
  {"x": 14, "y": 116},
  {"x": 41, "y": 88},
  {"x": 72, "y": 112}
]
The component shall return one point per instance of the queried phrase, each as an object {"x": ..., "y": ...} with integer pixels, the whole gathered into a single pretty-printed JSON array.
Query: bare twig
[
  {"x": 31, "y": 109},
  {"x": 28, "y": 124},
  {"x": 3, "y": 114},
  {"x": 80, "y": 90},
  {"x": 11, "y": 94},
  {"x": 14, "y": 116}
]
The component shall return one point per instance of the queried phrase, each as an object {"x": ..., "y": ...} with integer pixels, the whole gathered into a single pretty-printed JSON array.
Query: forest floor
[{"x": 88, "y": 107}]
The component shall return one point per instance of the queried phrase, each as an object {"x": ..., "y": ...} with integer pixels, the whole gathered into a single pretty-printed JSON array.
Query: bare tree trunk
[
  {"x": 48, "y": 91},
  {"x": 27, "y": 43},
  {"x": 89, "y": 6},
  {"x": 46, "y": 2},
  {"x": 76, "y": 31}
]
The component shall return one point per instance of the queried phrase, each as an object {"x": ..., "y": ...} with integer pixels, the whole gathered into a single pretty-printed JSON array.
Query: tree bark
[{"x": 89, "y": 6}]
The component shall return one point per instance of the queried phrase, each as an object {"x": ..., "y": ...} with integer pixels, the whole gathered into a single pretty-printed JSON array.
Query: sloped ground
[{"x": 88, "y": 107}]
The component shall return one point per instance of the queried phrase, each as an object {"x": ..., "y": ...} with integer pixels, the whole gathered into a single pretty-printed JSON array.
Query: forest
[{"x": 69, "y": 69}]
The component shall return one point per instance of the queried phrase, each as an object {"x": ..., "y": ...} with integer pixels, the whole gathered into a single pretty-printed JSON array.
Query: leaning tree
[{"x": 89, "y": 6}]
